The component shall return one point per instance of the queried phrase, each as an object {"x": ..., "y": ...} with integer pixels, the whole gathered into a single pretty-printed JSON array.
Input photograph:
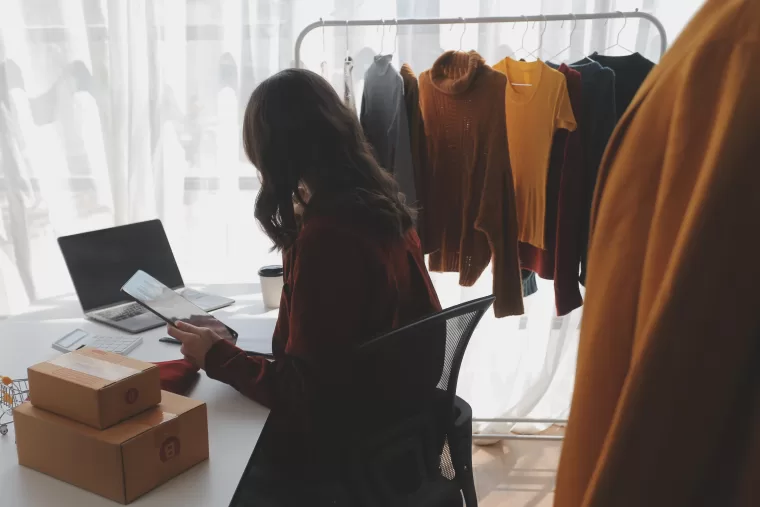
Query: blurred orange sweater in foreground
[{"x": 666, "y": 407}]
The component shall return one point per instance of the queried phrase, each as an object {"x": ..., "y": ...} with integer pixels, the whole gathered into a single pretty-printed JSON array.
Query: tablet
[{"x": 172, "y": 307}]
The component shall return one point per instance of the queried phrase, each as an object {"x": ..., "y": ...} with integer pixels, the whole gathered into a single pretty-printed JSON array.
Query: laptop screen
[{"x": 100, "y": 262}]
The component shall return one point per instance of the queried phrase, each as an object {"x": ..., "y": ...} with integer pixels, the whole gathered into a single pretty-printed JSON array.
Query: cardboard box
[
  {"x": 122, "y": 462},
  {"x": 94, "y": 387}
]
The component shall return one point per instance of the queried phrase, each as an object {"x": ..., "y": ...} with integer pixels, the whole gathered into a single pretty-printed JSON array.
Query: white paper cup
[{"x": 271, "y": 285}]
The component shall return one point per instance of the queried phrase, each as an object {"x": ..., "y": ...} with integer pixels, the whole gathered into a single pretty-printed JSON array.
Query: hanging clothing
[
  {"x": 471, "y": 215},
  {"x": 630, "y": 71},
  {"x": 559, "y": 259},
  {"x": 417, "y": 144},
  {"x": 383, "y": 119},
  {"x": 666, "y": 405},
  {"x": 533, "y": 113},
  {"x": 529, "y": 284},
  {"x": 348, "y": 84},
  {"x": 597, "y": 121}
]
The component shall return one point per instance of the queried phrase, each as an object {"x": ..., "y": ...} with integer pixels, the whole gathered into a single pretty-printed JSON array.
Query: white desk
[{"x": 235, "y": 422}]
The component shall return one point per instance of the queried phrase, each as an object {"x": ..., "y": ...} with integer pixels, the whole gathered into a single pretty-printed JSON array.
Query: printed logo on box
[
  {"x": 131, "y": 395},
  {"x": 169, "y": 449}
]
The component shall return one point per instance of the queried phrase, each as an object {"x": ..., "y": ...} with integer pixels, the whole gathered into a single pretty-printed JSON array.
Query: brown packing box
[
  {"x": 122, "y": 462},
  {"x": 94, "y": 387}
]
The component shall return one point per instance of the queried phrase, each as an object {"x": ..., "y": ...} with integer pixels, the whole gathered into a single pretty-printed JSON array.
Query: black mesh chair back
[
  {"x": 403, "y": 439},
  {"x": 430, "y": 348},
  {"x": 422, "y": 453}
]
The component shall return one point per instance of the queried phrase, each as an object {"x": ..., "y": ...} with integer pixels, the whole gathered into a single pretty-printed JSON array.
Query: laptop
[{"x": 100, "y": 262}]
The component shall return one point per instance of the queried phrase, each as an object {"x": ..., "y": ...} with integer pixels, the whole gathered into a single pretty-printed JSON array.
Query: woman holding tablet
[{"x": 353, "y": 266}]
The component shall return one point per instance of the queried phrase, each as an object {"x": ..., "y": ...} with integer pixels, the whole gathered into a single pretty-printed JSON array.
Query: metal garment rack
[
  {"x": 499, "y": 19},
  {"x": 479, "y": 21}
]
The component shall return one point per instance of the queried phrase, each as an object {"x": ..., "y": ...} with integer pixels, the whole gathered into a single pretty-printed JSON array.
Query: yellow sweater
[
  {"x": 534, "y": 111},
  {"x": 666, "y": 407}
]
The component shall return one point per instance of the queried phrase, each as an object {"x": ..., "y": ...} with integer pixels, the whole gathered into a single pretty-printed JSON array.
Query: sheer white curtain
[{"x": 113, "y": 111}]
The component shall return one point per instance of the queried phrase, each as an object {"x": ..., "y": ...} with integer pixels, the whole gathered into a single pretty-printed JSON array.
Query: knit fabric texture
[{"x": 469, "y": 191}]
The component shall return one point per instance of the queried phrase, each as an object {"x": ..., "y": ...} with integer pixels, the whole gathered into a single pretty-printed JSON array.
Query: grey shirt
[{"x": 383, "y": 118}]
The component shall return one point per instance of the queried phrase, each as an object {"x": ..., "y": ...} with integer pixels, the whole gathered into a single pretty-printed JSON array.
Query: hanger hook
[
  {"x": 522, "y": 42},
  {"x": 461, "y": 37},
  {"x": 541, "y": 40},
  {"x": 395, "y": 36},
  {"x": 323, "y": 35},
  {"x": 324, "y": 43},
  {"x": 382, "y": 37},
  {"x": 572, "y": 31},
  {"x": 625, "y": 22},
  {"x": 348, "y": 52}
]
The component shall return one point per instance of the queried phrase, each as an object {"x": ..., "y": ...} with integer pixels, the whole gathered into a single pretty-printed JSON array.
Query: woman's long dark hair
[{"x": 297, "y": 131}]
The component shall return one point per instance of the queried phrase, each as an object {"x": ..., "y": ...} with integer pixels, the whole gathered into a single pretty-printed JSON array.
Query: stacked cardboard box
[{"x": 101, "y": 422}]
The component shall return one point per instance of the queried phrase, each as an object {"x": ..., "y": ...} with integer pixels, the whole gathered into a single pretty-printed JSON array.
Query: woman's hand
[{"x": 196, "y": 341}]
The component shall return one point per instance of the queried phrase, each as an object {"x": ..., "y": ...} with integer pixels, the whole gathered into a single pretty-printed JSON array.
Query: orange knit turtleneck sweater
[{"x": 470, "y": 207}]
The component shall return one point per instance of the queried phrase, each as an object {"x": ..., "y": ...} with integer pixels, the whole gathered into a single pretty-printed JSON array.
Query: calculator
[{"x": 78, "y": 338}]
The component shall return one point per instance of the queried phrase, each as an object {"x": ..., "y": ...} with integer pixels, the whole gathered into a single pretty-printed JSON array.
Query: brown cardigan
[
  {"x": 470, "y": 208},
  {"x": 666, "y": 406}
]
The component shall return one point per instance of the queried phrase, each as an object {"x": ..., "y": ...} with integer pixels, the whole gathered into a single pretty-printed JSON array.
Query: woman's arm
[{"x": 324, "y": 317}]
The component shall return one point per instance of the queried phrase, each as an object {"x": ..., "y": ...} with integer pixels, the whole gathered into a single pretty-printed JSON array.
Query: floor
[{"x": 514, "y": 473}]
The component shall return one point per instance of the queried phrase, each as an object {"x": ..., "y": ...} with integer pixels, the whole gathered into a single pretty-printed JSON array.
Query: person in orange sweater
[
  {"x": 666, "y": 406},
  {"x": 353, "y": 266}
]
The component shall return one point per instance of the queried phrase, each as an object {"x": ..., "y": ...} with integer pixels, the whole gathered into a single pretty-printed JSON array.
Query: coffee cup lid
[{"x": 270, "y": 271}]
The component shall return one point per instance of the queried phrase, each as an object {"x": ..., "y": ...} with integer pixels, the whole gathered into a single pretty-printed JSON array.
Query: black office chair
[
  {"x": 420, "y": 455},
  {"x": 423, "y": 457}
]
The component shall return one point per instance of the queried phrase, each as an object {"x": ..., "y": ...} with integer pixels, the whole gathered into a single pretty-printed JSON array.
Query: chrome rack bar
[{"x": 480, "y": 20}]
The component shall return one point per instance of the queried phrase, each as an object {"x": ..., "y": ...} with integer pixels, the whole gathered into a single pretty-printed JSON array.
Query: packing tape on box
[
  {"x": 169, "y": 428},
  {"x": 94, "y": 367}
]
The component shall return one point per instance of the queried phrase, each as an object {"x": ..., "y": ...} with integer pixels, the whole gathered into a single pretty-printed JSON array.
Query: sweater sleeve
[
  {"x": 403, "y": 167},
  {"x": 565, "y": 119},
  {"x": 363, "y": 110},
  {"x": 329, "y": 298},
  {"x": 569, "y": 212},
  {"x": 497, "y": 218}
]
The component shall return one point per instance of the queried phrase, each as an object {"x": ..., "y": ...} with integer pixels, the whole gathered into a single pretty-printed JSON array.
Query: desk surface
[{"x": 234, "y": 421}]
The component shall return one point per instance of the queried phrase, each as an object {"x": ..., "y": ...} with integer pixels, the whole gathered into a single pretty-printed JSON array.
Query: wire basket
[{"x": 12, "y": 394}]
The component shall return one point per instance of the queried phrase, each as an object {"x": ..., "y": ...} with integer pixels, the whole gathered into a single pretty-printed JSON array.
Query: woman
[{"x": 352, "y": 259}]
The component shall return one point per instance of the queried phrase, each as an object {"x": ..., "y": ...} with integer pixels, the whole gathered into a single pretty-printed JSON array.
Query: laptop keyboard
[
  {"x": 123, "y": 312},
  {"x": 133, "y": 309}
]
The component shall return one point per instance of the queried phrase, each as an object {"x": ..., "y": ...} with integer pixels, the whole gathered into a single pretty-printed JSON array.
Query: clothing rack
[
  {"x": 479, "y": 21},
  {"x": 476, "y": 21}
]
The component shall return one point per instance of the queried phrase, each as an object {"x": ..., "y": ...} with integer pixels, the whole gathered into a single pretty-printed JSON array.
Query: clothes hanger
[
  {"x": 617, "y": 41},
  {"x": 323, "y": 64},
  {"x": 522, "y": 41},
  {"x": 575, "y": 23},
  {"x": 382, "y": 38},
  {"x": 537, "y": 52},
  {"x": 461, "y": 37},
  {"x": 395, "y": 37},
  {"x": 348, "y": 52},
  {"x": 522, "y": 46}
]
